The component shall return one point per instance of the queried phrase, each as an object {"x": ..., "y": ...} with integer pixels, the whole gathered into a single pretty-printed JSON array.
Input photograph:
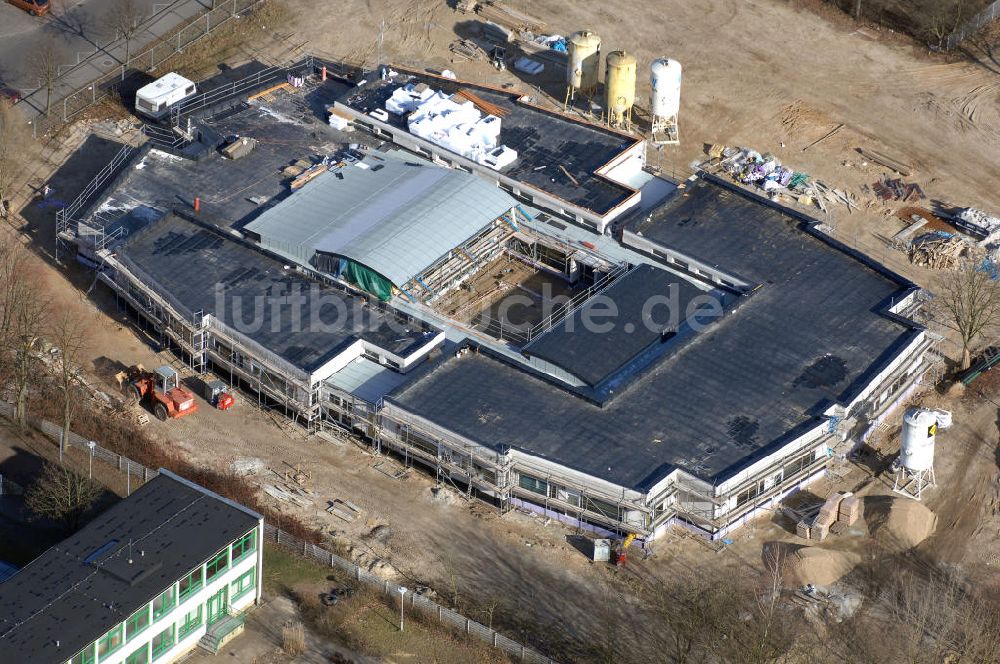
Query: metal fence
[
  {"x": 140, "y": 474},
  {"x": 426, "y": 607},
  {"x": 104, "y": 86},
  {"x": 984, "y": 17}
]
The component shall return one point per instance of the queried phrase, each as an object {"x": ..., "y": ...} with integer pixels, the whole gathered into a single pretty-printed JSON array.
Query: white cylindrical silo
[
  {"x": 917, "y": 448},
  {"x": 665, "y": 101}
]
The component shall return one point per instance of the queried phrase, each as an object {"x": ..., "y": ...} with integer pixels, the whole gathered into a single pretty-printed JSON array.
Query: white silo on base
[
  {"x": 665, "y": 100},
  {"x": 914, "y": 468}
]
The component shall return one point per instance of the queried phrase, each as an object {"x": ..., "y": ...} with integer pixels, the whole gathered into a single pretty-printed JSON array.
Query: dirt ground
[{"x": 766, "y": 74}]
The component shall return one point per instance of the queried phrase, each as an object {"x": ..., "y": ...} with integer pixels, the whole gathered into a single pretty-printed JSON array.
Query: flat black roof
[
  {"x": 197, "y": 267},
  {"x": 544, "y": 141},
  {"x": 813, "y": 333},
  {"x": 636, "y": 320},
  {"x": 82, "y": 587},
  {"x": 288, "y": 129}
]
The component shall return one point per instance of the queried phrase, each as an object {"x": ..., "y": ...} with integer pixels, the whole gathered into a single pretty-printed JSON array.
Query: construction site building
[{"x": 773, "y": 350}]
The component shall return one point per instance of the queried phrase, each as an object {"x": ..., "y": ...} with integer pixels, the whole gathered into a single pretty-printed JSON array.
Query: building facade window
[
  {"x": 110, "y": 642},
  {"x": 164, "y": 604},
  {"x": 190, "y": 584},
  {"x": 163, "y": 642},
  {"x": 244, "y": 546},
  {"x": 217, "y": 565},
  {"x": 533, "y": 484},
  {"x": 242, "y": 585},
  {"x": 140, "y": 656},
  {"x": 749, "y": 494},
  {"x": 85, "y": 656},
  {"x": 137, "y": 622},
  {"x": 603, "y": 507},
  {"x": 192, "y": 621}
]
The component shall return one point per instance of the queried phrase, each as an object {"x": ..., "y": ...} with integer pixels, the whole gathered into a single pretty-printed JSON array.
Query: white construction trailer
[{"x": 154, "y": 100}]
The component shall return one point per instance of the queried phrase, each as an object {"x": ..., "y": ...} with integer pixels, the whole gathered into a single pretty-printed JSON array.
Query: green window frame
[
  {"x": 192, "y": 621},
  {"x": 244, "y": 546},
  {"x": 137, "y": 623},
  {"x": 140, "y": 656},
  {"x": 217, "y": 565},
  {"x": 162, "y": 642},
  {"x": 164, "y": 604},
  {"x": 241, "y": 586},
  {"x": 85, "y": 656},
  {"x": 191, "y": 583},
  {"x": 111, "y": 642}
]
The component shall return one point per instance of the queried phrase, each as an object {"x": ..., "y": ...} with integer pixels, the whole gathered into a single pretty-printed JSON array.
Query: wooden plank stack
[
  {"x": 496, "y": 11},
  {"x": 803, "y": 529}
]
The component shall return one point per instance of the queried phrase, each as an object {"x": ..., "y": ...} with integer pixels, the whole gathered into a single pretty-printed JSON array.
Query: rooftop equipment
[
  {"x": 665, "y": 100},
  {"x": 619, "y": 88}
]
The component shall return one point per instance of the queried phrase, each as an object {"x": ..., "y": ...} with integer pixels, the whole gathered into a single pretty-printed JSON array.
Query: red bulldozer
[{"x": 158, "y": 390}]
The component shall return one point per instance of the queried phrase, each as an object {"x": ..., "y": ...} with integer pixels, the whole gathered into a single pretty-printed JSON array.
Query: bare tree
[
  {"x": 23, "y": 314},
  {"x": 45, "y": 63},
  {"x": 943, "y": 18},
  {"x": 13, "y": 143},
  {"x": 69, "y": 335},
  {"x": 62, "y": 494},
  {"x": 969, "y": 301},
  {"x": 125, "y": 16}
]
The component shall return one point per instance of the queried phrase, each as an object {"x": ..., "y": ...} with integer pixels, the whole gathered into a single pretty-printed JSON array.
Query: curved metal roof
[{"x": 392, "y": 215}]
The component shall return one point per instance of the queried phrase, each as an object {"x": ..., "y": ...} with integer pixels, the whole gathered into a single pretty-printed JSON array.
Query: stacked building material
[
  {"x": 850, "y": 510},
  {"x": 819, "y": 531},
  {"x": 803, "y": 529}
]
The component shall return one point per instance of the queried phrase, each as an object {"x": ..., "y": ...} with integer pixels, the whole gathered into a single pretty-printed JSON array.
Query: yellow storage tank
[
  {"x": 619, "y": 86},
  {"x": 584, "y": 62}
]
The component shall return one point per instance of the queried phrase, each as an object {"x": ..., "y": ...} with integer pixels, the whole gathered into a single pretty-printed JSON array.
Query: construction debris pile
[
  {"x": 765, "y": 172},
  {"x": 888, "y": 189},
  {"x": 939, "y": 250}
]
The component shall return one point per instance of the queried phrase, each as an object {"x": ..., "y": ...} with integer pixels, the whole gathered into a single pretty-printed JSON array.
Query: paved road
[{"x": 77, "y": 30}]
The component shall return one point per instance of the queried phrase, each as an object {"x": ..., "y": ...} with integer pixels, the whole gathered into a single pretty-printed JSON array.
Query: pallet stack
[
  {"x": 803, "y": 529},
  {"x": 827, "y": 516},
  {"x": 850, "y": 510}
]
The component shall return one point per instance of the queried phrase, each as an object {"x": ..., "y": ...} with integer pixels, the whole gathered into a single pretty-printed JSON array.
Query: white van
[{"x": 154, "y": 100}]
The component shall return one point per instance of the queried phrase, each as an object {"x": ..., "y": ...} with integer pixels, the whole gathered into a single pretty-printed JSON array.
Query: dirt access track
[{"x": 755, "y": 73}]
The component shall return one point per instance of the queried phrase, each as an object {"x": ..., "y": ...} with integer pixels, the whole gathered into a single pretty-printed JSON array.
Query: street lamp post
[
  {"x": 91, "y": 445},
  {"x": 402, "y": 591}
]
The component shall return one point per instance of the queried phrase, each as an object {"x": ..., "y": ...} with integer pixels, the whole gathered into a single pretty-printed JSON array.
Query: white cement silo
[
  {"x": 665, "y": 99},
  {"x": 915, "y": 466}
]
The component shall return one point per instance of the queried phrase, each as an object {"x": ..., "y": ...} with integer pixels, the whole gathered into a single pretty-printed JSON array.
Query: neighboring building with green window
[{"x": 168, "y": 569}]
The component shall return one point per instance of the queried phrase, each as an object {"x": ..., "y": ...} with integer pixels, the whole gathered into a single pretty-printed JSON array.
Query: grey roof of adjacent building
[
  {"x": 367, "y": 380},
  {"x": 85, "y": 585},
  {"x": 814, "y": 333},
  {"x": 197, "y": 268},
  {"x": 646, "y": 306},
  {"x": 394, "y": 215},
  {"x": 544, "y": 140}
]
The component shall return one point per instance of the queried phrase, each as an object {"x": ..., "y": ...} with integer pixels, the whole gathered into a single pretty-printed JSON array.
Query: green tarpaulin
[{"x": 369, "y": 280}]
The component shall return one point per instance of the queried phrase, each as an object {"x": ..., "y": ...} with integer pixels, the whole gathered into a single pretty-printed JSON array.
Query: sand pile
[
  {"x": 898, "y": 523},
  {"x": 818, "y": 566}
]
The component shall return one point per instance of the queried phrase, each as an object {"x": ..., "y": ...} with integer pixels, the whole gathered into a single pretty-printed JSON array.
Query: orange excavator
[{"x": 159, "y": 390}]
